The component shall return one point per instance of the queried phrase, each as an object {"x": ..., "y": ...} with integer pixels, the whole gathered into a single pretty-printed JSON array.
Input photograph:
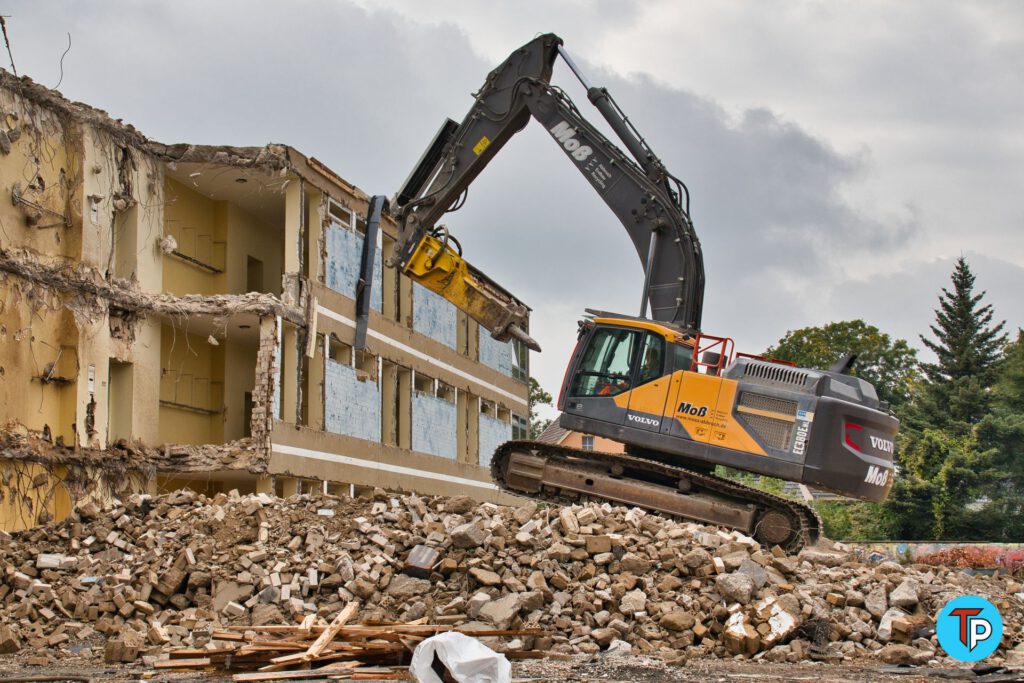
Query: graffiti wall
[{"x": 1000, "y": 556}]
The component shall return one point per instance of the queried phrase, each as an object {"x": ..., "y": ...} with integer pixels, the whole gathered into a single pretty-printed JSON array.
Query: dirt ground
[{"x": 629, "y": 669}]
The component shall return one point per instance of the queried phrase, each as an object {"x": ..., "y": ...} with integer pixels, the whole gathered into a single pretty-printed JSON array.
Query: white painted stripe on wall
[
  {"x": 374, "y": 465},
  {"x": 422, "y": 356}
]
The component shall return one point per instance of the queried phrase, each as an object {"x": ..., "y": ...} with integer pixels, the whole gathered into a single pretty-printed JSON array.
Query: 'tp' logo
[{"x": 970, "y": 628}]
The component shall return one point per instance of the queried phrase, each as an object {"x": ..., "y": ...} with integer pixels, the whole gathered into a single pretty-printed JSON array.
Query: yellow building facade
[{"x": 191, "y": 309}]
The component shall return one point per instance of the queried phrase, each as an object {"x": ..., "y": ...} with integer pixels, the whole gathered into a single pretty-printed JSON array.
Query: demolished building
[{"x": 184, "y": 315}]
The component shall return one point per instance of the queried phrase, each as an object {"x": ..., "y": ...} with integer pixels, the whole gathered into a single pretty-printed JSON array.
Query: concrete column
[
  {"x": 462, "y": 402},
  {"x": 405, "y": 312},
  {"x": 289, "y": 365},
  {"x": 292, "y": 218},
  {"x": 314, "y": 389},
  {"x": 146, "y": 382},
  {"x": 314, "y": 233},
  {"x": 389, "y": 403},
  {"x": 474, "y": 432},
  {"x": 474, "y": 340},
  {"x": 404, "y": 408}
]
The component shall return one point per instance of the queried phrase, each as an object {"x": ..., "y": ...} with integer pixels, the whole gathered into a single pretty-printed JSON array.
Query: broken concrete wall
[
  {"x": 94, "y": 296},
  {"x": 40, "y": 156},
  {"x": 275, "y": 387},
  {"x": 344, "y": 263},
  {"x": 433, "y": 425},
  {"x": 82, "y": 193},
  {"x": 495, "y": 354},
  {"x": 352, "y": 402},
  {"x": 264, "y": 393},
  {"x": 433, "y": 316},
  {"x": 493, "y": 433},
  {"x": 37, "y": 493}
]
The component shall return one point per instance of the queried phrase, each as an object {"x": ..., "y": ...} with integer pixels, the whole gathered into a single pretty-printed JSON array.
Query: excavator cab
[{"x": 624, "y": 370}]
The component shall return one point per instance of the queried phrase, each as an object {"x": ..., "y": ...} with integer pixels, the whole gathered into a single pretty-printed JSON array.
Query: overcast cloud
[{"x": 840, "y": 155}]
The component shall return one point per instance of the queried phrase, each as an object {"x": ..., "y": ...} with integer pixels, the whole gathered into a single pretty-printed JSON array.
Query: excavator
[{"x": 681, "y": 401}]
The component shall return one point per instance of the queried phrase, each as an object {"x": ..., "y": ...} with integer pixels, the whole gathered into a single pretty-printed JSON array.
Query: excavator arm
[{"x": 648, "y": 201}]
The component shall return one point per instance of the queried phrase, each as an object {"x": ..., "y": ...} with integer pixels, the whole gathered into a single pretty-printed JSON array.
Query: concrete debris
[
  {"x": 154, "y": 574},
  {"x": 904, "y": 655},
  {"x": 121, "y": 459},
  {"x": 905, "y": 595},
  {"x": 81, "y": 280}
]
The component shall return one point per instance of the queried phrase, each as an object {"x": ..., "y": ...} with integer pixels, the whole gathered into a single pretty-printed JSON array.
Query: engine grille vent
[
  {"x": 771, "y": 372},
  {"x": 762, "y": 402},
  {"x": 775, "y": 433}
]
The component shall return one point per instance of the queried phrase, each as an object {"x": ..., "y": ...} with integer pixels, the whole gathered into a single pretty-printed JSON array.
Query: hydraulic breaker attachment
[{"x": 436, "y": 265}]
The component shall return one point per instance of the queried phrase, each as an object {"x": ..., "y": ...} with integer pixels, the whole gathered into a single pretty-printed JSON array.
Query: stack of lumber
[{"x": 334, "y": 651}]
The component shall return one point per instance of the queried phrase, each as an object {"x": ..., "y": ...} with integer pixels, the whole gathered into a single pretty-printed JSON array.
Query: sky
[{"x": 840, "y": 155}]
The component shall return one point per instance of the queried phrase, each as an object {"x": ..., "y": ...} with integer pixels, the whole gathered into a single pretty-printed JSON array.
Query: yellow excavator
[{"x": 680, "y": 400}]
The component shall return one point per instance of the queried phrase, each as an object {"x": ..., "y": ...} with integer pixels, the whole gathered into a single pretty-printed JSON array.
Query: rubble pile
[{"x": 154, "y": 574}]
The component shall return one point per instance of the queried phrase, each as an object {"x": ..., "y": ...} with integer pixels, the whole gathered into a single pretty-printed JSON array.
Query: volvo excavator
[{"x": 680, "y": 400}]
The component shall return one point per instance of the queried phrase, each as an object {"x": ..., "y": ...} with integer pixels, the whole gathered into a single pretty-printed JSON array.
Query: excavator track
[{"x": 558, "y": 474}]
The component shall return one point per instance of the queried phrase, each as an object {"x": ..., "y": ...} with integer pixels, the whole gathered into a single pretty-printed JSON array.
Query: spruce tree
[
  {"x": 1000, "y": 438},
  {"x": 967, "y": 347}
]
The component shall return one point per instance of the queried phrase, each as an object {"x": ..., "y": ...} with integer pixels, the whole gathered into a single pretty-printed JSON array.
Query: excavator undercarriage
[{"x": 559, "y": 474}]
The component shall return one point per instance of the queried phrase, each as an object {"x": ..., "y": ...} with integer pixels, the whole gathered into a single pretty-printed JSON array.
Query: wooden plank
[
  {"x": 199, "y": 652},
  {"x": 286, "y": 660},
  {"x": 286, "y": 675},
  {"x": 327, "y": 636},
  {"x": 197, "y": 662},
  {"x": 308, "y": 622},
  {"x": 229, "y": 636}
]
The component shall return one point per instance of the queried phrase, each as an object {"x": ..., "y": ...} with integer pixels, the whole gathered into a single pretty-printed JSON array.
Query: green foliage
[
  {"x": 537, "y": 397},
  {"x": 909, "y": 509},
  {"x": 943, "y": 490},
  {"x": 848, "y": 520},
  {"x": 967, "y": 347},
  {"x": 1000, "y": 442},
  {"x": 1008, "y": 390},
  {"x": 761, "y": 482},
  {"x": 889, "y": 364},
  {"x": 961, "y": 463},
  {"x": 537, "y": 428}
]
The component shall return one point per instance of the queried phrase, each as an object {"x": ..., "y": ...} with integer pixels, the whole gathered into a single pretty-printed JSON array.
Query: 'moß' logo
[{"x": 970, "y": 628}]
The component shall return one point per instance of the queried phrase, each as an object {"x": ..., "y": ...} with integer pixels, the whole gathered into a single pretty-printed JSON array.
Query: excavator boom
[{"x": 641, "y": 193}]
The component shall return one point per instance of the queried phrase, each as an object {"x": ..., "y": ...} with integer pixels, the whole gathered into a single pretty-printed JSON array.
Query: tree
[
  {"x": 967, "y": 348},
  {"x": 890, "y": 365},
  {"x": 1000, "y": 439},
  {"x": 1008, "y": 391},
  {"x": 850, "y": 520},
  {"x": 537, "y": 397}
]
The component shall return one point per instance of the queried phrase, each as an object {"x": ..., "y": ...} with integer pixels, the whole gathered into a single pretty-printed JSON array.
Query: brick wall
[
  {"x": 433, "y": 425},
  {"x": 495, "y": 354},
  {"x": 433, "y": 316},
  {"x": 493, "y": 433},
  {"x": 353, "y": 406},
  {"x": 344, "y": 261}
]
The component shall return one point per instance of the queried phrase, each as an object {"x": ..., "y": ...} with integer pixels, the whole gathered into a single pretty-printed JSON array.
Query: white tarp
[{"x": 467, "y": 660}]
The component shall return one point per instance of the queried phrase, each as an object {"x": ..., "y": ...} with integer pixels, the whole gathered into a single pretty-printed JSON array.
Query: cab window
[
  {"x": 652, "y": 359},
  {"x": 684, "y": 356},
  {"x": 607, "y": 361}
]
